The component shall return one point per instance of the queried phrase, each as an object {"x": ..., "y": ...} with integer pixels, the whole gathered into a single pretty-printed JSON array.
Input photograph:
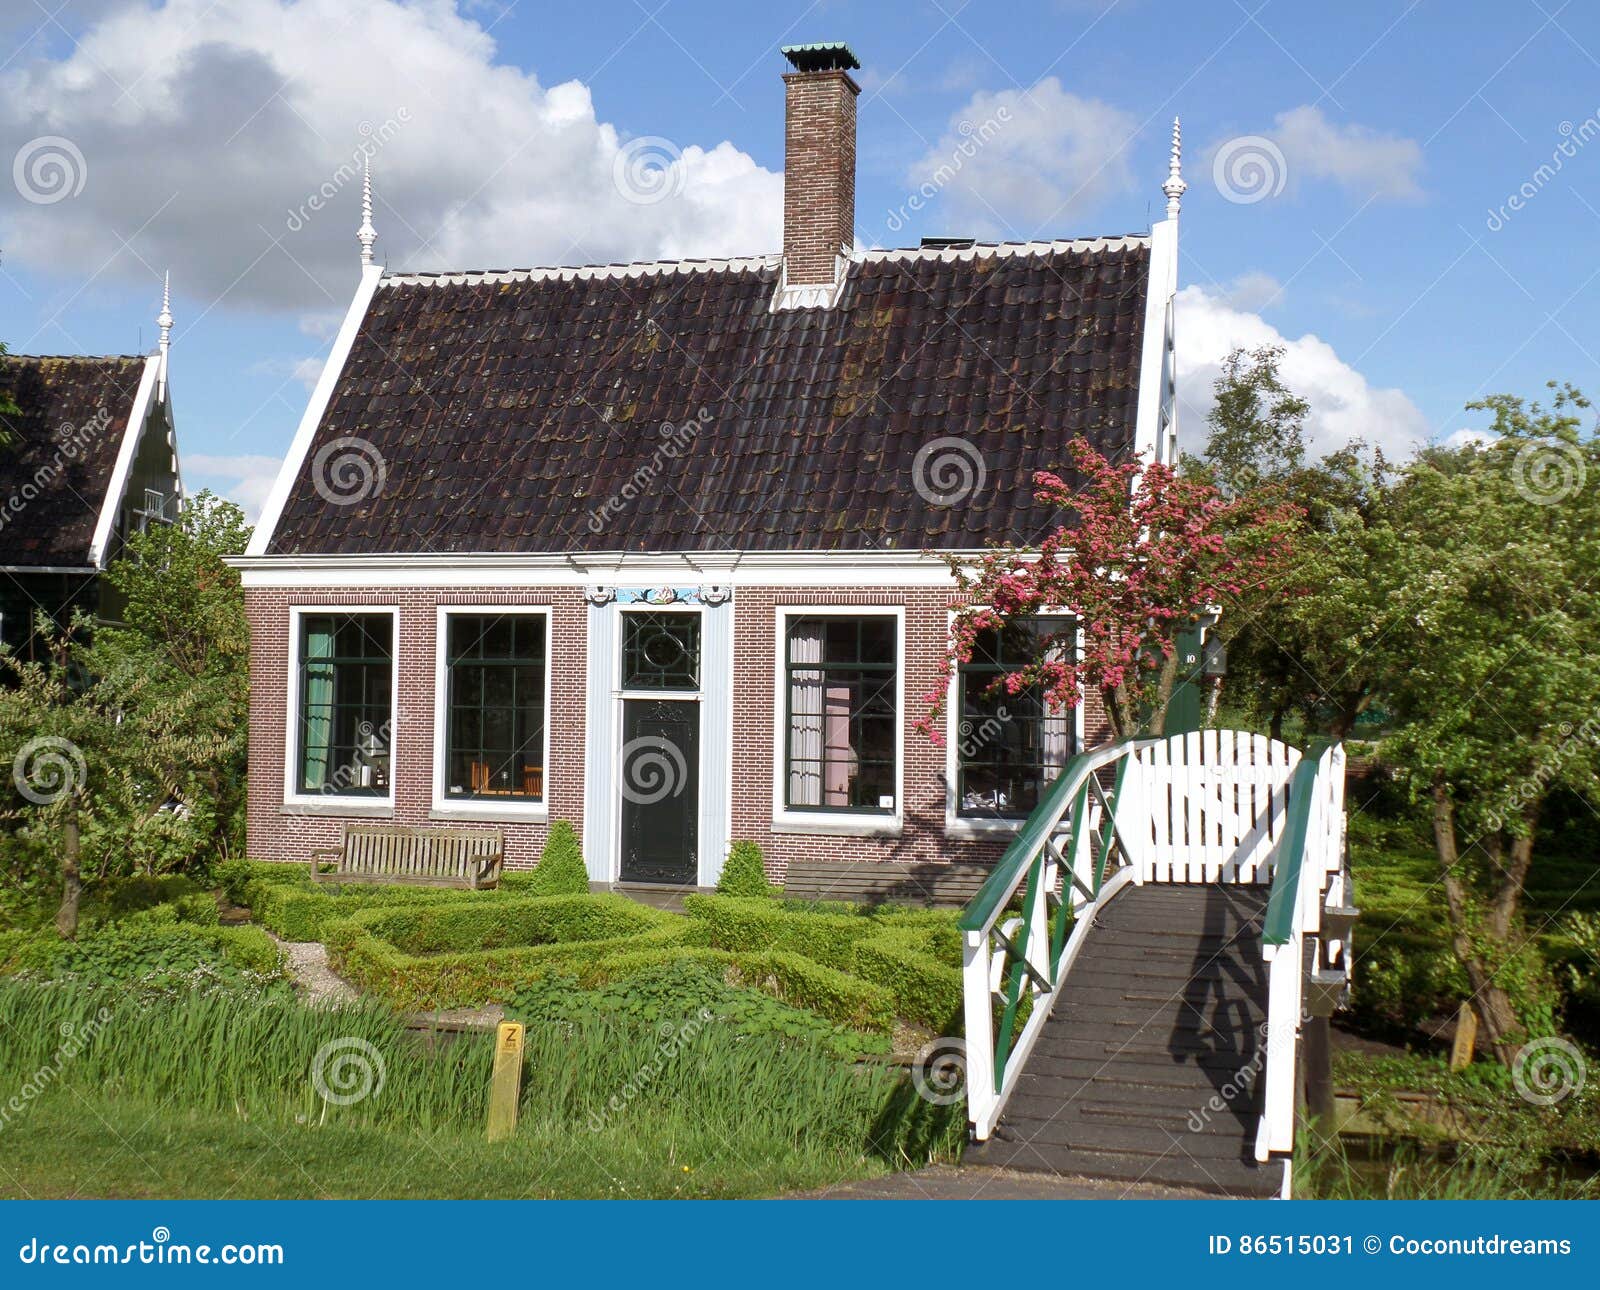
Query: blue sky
[{"x": 1384, "y": 248}]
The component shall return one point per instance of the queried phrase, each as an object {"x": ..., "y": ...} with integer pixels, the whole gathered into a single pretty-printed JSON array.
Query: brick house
[
  {"x": 92, "y": 457},
  {"x": 659, "y": 549}
]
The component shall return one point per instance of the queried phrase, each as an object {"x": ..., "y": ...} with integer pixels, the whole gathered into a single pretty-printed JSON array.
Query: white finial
[
  {"x": 1174, "y": 187},
  {"x": 366, "y": 234},
  {"x": 164, "y": 322}
]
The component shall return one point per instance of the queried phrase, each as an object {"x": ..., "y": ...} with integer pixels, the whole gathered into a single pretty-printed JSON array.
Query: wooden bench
[
  {"x": 875, "y": 882},
  {"x": 424, "y": 857}
]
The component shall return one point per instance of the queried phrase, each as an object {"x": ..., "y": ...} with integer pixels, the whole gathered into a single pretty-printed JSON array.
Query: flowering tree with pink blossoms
[{"x": 1148, "y": 553}]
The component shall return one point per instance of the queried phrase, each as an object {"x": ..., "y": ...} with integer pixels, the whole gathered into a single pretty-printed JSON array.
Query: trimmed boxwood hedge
[{"x": 914, "y": 955}]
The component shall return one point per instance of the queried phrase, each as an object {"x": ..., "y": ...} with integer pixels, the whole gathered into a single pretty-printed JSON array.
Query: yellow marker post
[
  {"x": 505, "y": 1085},
  {"x": 1466, "y": 1040}
]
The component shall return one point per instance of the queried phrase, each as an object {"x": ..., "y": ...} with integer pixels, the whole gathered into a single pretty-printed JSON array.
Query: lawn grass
[{"x": 68, "y": 1146}]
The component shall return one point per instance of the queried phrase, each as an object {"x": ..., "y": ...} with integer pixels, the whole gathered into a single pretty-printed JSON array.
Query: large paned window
[
  {"x": 497, "y": 682},
  {"x": 842, "y": 713},
  {"x": 1008, "y": 746},
  {"x": 346, "y": 717}
]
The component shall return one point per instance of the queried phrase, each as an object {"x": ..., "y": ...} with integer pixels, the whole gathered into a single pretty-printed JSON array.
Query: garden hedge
[{"x": 915, "y": 956}]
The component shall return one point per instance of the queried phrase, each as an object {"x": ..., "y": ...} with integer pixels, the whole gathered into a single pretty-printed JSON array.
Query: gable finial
[
  {"x": 1174, "y": 187},
  {"x": 164, "y": 322},
  {"x": 366, "y": 234}
]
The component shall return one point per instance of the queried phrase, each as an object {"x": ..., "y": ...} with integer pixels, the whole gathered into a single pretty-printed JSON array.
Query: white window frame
[
  {"x": 365, "y": 804},
  {"x": 970, "y": 828},
  {"x": 852, "y": 824},
  {"x": 445, "y": 807}
]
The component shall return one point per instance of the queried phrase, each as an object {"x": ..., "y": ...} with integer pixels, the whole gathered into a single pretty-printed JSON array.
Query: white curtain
[{"x": 805, "y": 716}]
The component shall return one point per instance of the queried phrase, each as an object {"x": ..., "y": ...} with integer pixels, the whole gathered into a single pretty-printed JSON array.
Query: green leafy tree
[
  {"x": 128, "y": 742},
  {"x": 1488, "y": 665},
  {"x": 8, "y": 408},
  {"x": 1301, "y": 643}
]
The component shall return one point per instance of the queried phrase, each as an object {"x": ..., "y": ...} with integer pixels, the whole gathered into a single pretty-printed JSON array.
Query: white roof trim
[
  {"x": 646, "y": 268},
  {"x": 886, "y": 569},
  {"x": 272, "y": 511},
  {"x": 1155, "y": 426},
  {"x": 127, "y": 450}
]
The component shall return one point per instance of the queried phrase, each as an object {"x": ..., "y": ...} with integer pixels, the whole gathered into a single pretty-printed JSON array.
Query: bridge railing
[
  {"x": 1307, "y": 874},
  {"x": 1209, "y": 806},
  {"x": 1068, "y": 855}
]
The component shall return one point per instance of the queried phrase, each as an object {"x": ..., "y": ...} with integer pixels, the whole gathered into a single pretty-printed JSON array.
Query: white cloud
[
  {"x": 1252, "y": 291},
  {"x": 1360, "y": 159},
  {"x": 1344, "y": 406},
  {"x": 208, "y": 131},
  {"x": 1020, "y": 163},
  {"x": 244, "y": 479},
  {"x": 1461, "y": 438}
]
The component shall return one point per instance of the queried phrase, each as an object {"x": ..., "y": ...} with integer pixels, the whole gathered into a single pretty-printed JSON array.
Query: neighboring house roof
[
  {"x": 61, "y": 478},
  {"x": 524, "y": 411}
]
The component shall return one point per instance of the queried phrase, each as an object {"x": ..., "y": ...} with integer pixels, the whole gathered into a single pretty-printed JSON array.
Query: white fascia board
[
  {"x": 320, "y": 398},
  {"x": 127, "y": 450},
  {"x": 1155, "y": 372},
  {"x": 748, "y": 569}
]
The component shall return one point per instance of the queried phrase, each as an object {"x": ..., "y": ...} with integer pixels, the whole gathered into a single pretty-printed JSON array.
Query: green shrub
[
  {"x": 199, "y": 909},
  {"x": 906, "y": 960},
  {"x": 745, "y": 873},
  {"x": 560, "y": 871},
  {"x": 741, "y": 923},
  {"x": 150, "y": 950}
]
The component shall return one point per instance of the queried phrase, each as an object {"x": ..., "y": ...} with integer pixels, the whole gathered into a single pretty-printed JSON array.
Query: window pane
[
  {"x": 842, "y": 716},
  {"x": 1009, "y": 747},
  {"x": 660, "y": 651},
  {"x": 494, "y": 743},
  {"x": 346, "y": 714}
]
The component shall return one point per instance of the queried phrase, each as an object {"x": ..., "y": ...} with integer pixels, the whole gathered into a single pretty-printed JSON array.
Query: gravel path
[{"x": 308, "y": 969}]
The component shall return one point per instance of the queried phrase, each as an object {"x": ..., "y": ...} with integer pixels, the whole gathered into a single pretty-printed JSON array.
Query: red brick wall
[
  {"x": 277, "y": 832},
  {"x": 819, "y": 173}
]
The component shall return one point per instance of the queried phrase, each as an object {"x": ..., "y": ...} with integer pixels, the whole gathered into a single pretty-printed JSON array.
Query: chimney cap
[{"x": 829, "y": 56}]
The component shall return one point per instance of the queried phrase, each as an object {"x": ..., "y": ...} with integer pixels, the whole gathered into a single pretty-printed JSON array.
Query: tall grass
[
  {"x": 623, "y": 1097},
  {"x": 1410, "y": 1172}
]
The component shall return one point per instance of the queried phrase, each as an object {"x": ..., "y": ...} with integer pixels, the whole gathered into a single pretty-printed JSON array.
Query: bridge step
[{"x": 1147, "y": 1067}]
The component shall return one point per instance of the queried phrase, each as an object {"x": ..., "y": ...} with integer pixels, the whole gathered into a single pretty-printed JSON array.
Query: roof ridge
[
  {"x": 770, "y": 260},
  {"x": 76, "y": 358}
]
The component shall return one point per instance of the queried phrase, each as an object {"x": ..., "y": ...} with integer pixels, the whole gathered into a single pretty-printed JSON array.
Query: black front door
[{"x": 660, "y": 790}]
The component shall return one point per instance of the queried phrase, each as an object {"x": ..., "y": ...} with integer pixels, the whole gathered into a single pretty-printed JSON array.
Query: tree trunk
[
  {"x": 1497, "y": 1018},
  {"x": 71, "y": 879}
]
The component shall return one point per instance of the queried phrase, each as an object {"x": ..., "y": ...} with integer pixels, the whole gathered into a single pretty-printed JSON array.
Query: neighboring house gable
[{"x": 93, "y": 458}]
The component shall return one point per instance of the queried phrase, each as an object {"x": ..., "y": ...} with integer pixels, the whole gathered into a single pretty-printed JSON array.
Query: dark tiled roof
[
  {"x": 509, "y": 409},
  {"x": 74, "y": 414}
]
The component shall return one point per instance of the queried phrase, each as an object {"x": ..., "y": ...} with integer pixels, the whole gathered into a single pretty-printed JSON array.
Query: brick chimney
[{"x": 819, "y": 164}]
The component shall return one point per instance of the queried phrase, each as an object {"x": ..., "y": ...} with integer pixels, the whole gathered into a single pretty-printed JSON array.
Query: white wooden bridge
[{"x": 1141, "y": 964}]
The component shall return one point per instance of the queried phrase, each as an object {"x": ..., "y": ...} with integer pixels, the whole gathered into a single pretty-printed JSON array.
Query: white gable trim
[
  {"x": 1155, "y": 433},
  {"x": 126, "y": 452},
  {"x": 726, "y": 568},
  {"x": 371, "y": 275}
]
